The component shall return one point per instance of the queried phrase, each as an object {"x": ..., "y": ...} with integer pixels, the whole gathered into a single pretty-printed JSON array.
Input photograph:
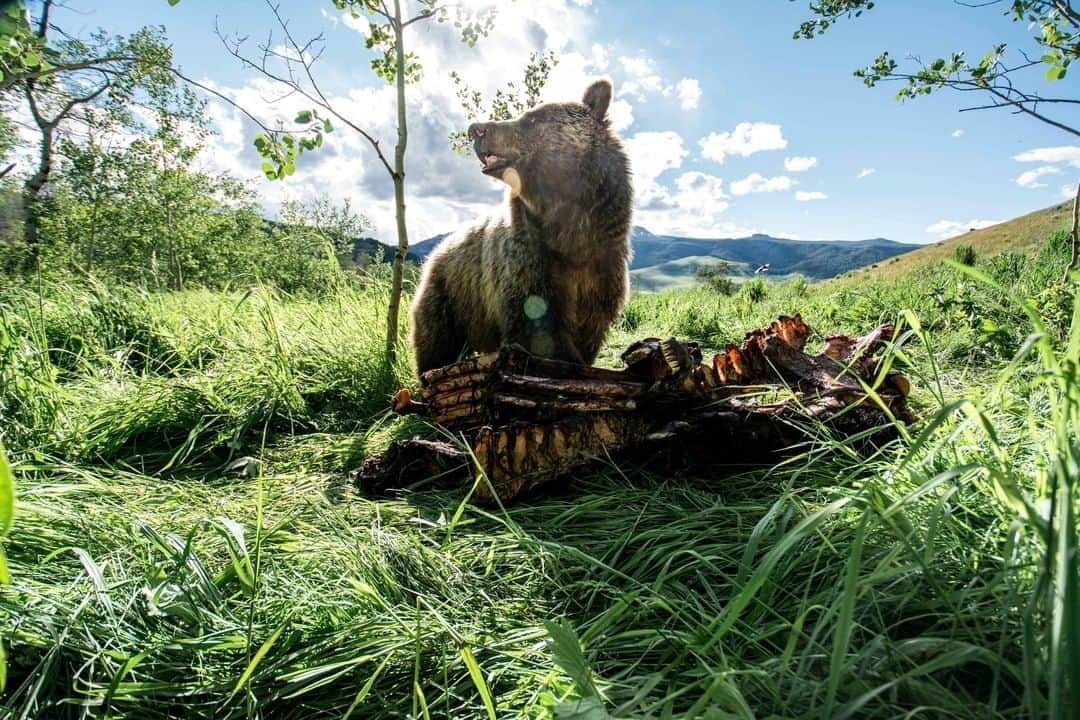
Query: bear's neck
[{"x": 582, "y": 227}]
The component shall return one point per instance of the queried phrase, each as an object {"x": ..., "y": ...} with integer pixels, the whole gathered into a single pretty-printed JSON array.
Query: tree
[
  {"x": 92, "y": 84},
  {"x": 715, "y": 277},
  {"x": 294, "y": 69},
  {"x": 25, "y": 54},
  {"x": 138, "y": 212},
  {"x": 509, "y": 102},
  {"x": 994, "y": 77}
]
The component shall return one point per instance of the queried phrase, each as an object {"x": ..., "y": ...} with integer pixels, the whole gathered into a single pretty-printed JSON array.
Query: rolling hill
[{"x": 1023, "y": 234}]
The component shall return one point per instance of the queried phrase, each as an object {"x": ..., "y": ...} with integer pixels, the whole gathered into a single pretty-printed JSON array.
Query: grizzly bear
[{"x": 552, "y": 274}]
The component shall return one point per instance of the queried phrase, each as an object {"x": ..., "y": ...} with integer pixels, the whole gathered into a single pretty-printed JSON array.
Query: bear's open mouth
[{"x": 493, "y": 163}]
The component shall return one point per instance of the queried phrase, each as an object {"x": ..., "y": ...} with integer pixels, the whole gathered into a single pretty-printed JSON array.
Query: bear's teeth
[{"x": 491, "y": 159}]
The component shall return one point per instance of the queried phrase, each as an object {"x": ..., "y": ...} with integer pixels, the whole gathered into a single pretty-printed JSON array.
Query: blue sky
[{"x": 720, "y": 109}]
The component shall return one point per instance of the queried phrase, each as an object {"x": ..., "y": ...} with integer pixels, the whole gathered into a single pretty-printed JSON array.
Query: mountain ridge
[{"x": 814, "y": 259}]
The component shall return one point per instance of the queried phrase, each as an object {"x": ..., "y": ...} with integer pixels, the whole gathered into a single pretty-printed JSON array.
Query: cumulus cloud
[
  {"x": 689, "y": 92},
  {"x": 865, "y": 172},
  {"x": 1030, "y": 178},
  {"x": 651, "y": 153},
  {"x": 957, "y": 133},
  {"x": 802, "y": 196},
  {"x": 757, "y": 183},
  {"x": 799, "y": 164},
  {"x": 643, "y": 77},
  {"x": 949, "y": 228},
  {"x": 746, "y": 139},
  {"x": 1060, "y": 154}
]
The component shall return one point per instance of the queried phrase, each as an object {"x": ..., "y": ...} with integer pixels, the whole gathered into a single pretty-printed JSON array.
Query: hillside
[
  {"x": 667, "y": 261},
  {"x": 680, "y": 274},
  {"x": 1023, "y": 234}
]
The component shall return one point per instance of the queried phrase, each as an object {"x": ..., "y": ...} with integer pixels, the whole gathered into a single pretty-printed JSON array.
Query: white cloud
[
  {"x": 799, "y": 164},
  {"x": 1068, "y": 191},
  {"x": 865, "y": 172},
  {"x": 621, "y": 114},
  {"x": 949, "y": 228},
  {"x": 957, "y": 133},
  {"x": 745, "y": 140},
  {"x": 700, "y": 192},
  {"x": 1062, "y": 153},
  {"x": 643, "y": 77},
  {"x": 689, "y": 92},
  {"x": 802, "y": 196},
  {"x": 334, "y": 20},
  {"x": 652, "y": 153},
  {"x": 1030, "y": 178},
  {"x": 757, "y": 183}
]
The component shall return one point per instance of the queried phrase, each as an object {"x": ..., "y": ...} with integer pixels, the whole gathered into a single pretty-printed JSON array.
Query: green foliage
[
  {"x": 21, "y": 50},
  {"x": 282, "y": 149},
  {"x": 965, "y": 255},
  {"x": 7, "y": 515},
  {"x": 754, "y": 290},
  {"x": 508, "y": 103},
  {"x": 311, "y": 244},
  {"x": 381, "y": 31},
  {"x": 140, "y": 214},
  {"x": 717, "y": 277},
  {"x": 1056, "y": 46}
]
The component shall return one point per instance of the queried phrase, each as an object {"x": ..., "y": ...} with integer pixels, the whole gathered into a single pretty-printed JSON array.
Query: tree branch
[
  {"x": 43, "y": 24},
  {"x": 315, "y": 95}
]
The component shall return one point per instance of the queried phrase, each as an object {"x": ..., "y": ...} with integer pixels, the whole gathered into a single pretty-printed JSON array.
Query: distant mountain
[
  {"x": 365, "y": 249},
  {"x": 424, "y": 247},
  {"x": 814, "y": 259},
  {"x": 664, "y": 259}
]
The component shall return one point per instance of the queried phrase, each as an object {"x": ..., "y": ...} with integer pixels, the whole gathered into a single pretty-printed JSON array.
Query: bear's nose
[{"x": 476, "y": 131}]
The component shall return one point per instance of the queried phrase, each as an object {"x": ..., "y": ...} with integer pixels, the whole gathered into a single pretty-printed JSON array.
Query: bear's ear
[{"x": 597, "y": 98}]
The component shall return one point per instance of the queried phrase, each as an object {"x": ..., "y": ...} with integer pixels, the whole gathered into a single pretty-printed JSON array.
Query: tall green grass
[{"x": 189, "y": 544}]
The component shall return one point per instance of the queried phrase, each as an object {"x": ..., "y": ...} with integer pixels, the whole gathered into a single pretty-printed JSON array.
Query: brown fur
[{"x": 552, "y": 275}]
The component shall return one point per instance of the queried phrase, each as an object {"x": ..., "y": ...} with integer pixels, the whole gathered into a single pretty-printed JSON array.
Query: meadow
[{"x": 187, "y": 541}]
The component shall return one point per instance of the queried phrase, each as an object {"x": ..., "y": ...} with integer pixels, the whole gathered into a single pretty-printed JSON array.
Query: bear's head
[{"x": 555, "y": 155}]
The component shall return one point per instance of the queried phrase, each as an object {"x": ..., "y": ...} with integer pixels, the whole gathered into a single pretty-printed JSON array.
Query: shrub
[
  {"x": 715, "y": 277},
  {"x": 754, "y": 291},
  {"x": 965, "y": 255}
]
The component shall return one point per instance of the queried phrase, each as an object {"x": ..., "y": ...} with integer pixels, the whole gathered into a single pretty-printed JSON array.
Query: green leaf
[
  {"x": 1055, "y": 73},
  {"x": 566, "y": 650},
  {"x": 174, "y": 2},
  {"x": 584, "y": 709},
  {"x": 7, "y": 494},
  {"x": 255, "y": 659},
  {"x": 327, "y": 127},
  {"x": 303, "y": 117},
  {"x": 478, "y": 680}
]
